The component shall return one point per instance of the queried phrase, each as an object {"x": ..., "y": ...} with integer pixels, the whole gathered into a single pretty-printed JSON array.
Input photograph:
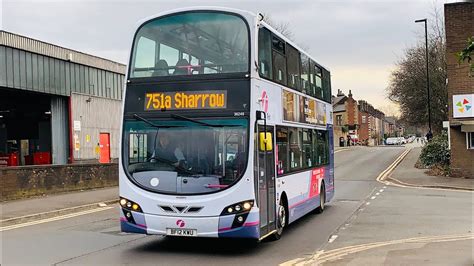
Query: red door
[{"x": 104, "y": 144}]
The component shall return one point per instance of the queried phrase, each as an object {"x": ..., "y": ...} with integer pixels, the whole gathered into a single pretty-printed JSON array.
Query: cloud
[{"x": 358, "y": 40}]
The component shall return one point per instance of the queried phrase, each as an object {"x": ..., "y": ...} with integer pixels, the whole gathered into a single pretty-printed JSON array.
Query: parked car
[
  {"x": 392, "y": 141},
  {"x": 402, "y": 140}
]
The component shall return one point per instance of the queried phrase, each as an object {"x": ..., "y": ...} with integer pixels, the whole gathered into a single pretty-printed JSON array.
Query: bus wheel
[
  {"x": 281, "y": 221},
  {"x": 322, "y": 200}
]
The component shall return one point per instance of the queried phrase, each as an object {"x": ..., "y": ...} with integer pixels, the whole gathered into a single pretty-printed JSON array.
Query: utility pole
[{"x": 430, "y": 132}]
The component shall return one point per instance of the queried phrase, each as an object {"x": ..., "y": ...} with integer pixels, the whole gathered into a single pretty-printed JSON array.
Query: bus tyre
[
  {"x": 281, "y": 221},
  {"x": 322, "y": 200}
]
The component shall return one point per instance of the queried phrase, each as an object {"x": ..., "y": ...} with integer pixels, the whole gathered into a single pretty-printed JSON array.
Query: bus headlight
[
  {"x": 130, "y": 205},
  {"x": 237, "y": 208}
]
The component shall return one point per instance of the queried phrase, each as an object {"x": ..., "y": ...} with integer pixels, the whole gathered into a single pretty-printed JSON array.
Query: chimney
[
  {"x": 339, "y": 93},
  {"x": 350, "y": 94}
]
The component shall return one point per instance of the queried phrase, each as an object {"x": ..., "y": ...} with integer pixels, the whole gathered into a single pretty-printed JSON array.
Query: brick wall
[
  {"x": 364, "y": 127},
  {"x": 27, "y": 181},
  {"x": 352, "y": 111},
  {"x": 459, "y": 23}
]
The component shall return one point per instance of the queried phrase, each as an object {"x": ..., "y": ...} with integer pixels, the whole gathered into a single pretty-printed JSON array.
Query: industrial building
[{"x": 57, "y": 105}]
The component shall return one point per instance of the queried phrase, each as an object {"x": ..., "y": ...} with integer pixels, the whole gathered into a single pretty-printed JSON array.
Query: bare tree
[
  {"x": 408, "y": 81},
  {"x": 284, "y": 28}
]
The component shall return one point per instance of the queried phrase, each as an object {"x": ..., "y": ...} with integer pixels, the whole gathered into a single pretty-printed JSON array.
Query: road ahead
[{"x": 96, "y": 238}]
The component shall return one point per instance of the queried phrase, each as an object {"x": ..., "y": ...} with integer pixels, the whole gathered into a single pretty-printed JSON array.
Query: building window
[
  {"x": 470, "y": 140},
  {"x": 339, "y": 120}
]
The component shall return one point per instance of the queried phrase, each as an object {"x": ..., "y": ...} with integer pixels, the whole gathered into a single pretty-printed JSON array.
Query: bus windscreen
[{"x": 191, "y": 43}]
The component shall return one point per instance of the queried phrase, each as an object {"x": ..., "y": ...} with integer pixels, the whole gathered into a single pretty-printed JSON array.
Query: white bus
[{"x": 227, "y": 128}]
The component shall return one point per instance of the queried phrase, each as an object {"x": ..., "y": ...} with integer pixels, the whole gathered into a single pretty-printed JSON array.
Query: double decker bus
[{"x": 227, "y": 128}]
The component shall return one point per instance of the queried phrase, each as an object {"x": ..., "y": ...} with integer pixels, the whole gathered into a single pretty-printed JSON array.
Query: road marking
[
  {"x": 330, "y": 255},
  {"x": 57, "y": 218},
  {"x": 397, "y": 183},
  {"x": 373, "y": 197},
  {"x": 333, "y": 237},
  {"x": 381, "y": 190},
  {"x": 367, "y": 203},
  {"x": 381, "y": 177}
]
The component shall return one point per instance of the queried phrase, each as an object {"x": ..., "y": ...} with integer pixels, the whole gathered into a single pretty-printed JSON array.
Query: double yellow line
[
  {"x": 385, "y": 173},
  {"x": 335, "y": 254}
]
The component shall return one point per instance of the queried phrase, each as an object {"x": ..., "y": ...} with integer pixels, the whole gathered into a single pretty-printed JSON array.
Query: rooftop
[{"x": 47, "y": 49}]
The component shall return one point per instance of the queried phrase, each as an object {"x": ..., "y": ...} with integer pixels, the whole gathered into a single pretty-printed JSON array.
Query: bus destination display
[{"x": 186, "y": 100}]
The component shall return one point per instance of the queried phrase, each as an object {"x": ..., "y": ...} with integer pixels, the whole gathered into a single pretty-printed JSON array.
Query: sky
[{"x": 360, "y": 41}]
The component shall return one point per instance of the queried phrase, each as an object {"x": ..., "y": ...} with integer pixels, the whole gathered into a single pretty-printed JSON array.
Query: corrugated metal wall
[
  {"x": 96, "y": 115},
  {"x": 59, "y": 129},
  {"x": 24, "y": 70},
  {"x": 39, "y": 47}
]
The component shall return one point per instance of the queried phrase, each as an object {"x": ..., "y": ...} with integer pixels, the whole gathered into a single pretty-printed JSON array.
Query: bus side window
[
  {"x": 294, "y": 137},
  {"x": 279, "y": 60},
  {"x": 312, "y": 79},
  {"x": 320, "y": 94},
  {"x": 322, "y": 147},
  {"x": 265, "y": 53},
  {"x": 282, "y": 146},
  {"x": 307, "y": 149},
  {"x": 304, "y": 74},
  {"x": 293, "y": 65}
]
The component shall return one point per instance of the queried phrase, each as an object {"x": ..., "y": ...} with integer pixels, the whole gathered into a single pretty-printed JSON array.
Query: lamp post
[{"x": 430, "y": 133}]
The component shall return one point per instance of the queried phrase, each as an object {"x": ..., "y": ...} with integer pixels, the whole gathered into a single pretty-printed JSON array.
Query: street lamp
[{"x": 430, "y": 133}]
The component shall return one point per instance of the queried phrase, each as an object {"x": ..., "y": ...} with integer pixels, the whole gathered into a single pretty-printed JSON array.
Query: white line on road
[
  {"x": 333, "y": 237},
  {"x": 378, "y": 193},
  {"x": 57, "y": 218},
  {"x": 373, "y": 197},
  {"x": 381, "y": 190}
]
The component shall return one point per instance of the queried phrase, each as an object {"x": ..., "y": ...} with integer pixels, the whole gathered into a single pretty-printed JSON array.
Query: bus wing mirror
[{"x": 265, "y": 140}]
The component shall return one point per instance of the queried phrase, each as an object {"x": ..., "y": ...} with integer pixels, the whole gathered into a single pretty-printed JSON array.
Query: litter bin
[{"x": 341, "y": 142}]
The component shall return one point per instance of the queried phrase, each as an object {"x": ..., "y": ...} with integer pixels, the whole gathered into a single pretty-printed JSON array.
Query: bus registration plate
[{"x": 181, "y": 232}]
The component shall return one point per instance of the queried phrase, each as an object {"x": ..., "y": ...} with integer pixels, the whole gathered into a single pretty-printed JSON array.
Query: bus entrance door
[{"x": 265, "y": 174}]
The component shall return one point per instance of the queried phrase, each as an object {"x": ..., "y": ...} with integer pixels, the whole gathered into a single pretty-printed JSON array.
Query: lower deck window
[{"x": 301, "y": 148}]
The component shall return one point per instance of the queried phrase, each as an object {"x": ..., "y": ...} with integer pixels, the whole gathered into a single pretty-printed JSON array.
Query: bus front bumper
[{"x": 214, "y": 226}]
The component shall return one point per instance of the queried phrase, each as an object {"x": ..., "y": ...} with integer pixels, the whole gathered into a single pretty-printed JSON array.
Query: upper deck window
[{"x": 191, "y": 43}]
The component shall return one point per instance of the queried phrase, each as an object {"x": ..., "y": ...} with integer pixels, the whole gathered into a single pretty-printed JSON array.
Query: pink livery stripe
[
  {"x": 122, "y": 219},
  {"x": 245, "y": 224}
]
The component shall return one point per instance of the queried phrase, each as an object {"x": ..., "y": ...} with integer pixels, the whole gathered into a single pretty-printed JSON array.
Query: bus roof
[{"x": 244, "y": 13}]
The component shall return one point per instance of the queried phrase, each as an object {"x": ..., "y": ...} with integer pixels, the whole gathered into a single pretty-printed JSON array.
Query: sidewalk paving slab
[
  {"x": 407, "y": 173},
  {"x": 50, "y": 203}
]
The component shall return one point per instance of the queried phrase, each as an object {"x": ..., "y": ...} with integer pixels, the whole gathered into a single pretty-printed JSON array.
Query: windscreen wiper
[
  {"x": 137, "y": 117},
  {"x": 180, "y": 117}
]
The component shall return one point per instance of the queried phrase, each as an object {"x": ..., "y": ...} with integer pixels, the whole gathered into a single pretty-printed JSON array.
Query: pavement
[
  {"x": 407, "y": 174},
  {"x": 17, "y": 211}
]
